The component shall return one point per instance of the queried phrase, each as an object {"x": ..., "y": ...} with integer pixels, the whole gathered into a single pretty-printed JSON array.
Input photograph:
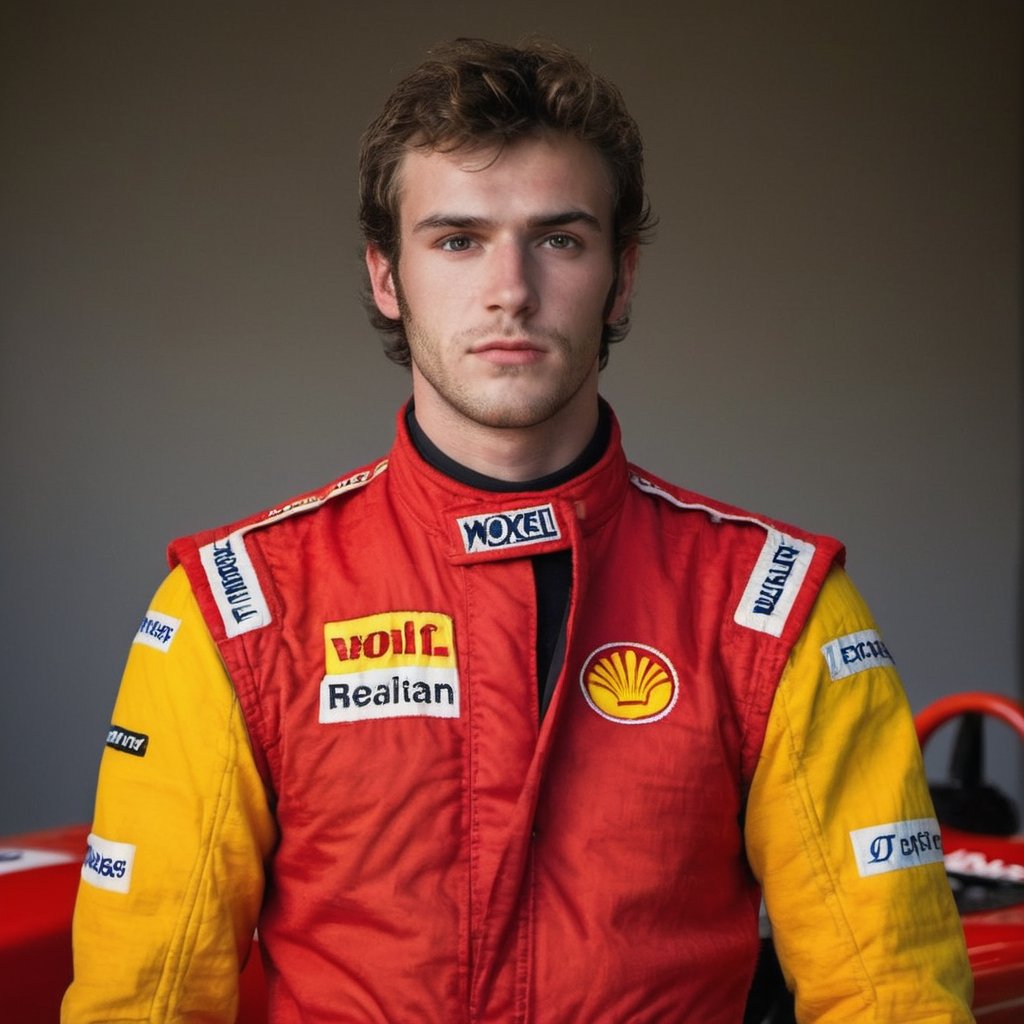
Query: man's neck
[
  {"x": 591, "y": 453},
  {"x": 513, "y": 454}
]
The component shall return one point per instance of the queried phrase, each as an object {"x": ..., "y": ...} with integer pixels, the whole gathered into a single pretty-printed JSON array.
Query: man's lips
[{"x": 508, "y": 351}]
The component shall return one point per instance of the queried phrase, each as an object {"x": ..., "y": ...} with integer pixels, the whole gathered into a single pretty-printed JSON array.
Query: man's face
[{"x": 504, "y": 281}]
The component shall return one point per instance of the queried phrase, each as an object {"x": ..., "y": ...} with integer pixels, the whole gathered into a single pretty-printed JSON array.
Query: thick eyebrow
[
  {"x": 552, "y": 220},
  {"x": 557, "y": 220}
]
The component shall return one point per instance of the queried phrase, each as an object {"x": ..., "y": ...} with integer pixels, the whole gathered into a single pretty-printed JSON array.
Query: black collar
[{"x": 590, "y": 456}]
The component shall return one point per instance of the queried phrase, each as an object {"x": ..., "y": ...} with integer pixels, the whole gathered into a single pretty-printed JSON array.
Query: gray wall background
[{"x": 828, "y": 326}]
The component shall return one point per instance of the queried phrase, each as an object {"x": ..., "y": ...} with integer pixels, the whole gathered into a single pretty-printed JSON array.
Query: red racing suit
[{"x": 343, "y": 744}]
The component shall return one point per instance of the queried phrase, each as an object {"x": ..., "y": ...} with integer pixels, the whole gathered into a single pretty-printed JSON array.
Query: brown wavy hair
[{"x": 472, "y": 93}]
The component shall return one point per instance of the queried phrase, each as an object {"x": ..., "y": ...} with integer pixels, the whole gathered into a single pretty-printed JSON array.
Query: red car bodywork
[
  {"x": 39, "y": 875},
  {"x": 987, "y": 872}
]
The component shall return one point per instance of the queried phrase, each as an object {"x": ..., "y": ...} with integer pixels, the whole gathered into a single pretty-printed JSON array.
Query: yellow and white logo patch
[
  {"x": 629, "y": 683},
  {"x": 393, "y": 665}
]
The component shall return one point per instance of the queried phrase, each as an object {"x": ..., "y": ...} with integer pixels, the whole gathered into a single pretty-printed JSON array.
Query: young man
[{"x": 500, "y": 728}]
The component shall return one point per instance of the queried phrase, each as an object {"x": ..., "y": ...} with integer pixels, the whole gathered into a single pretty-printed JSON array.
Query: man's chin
[{"x": 520, "y": 413}]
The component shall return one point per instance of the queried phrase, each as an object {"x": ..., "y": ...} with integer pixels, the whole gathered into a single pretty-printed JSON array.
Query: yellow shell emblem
[{"x": 630, "y": 683}]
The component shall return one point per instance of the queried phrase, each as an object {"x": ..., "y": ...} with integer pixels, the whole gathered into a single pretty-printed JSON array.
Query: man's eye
[
  {"x": 561, "y": 241},
  {"x": 457, "y": 243}
]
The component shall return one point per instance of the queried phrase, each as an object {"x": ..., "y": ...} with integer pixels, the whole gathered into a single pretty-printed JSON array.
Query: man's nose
[{"x": 511, "y": 281}]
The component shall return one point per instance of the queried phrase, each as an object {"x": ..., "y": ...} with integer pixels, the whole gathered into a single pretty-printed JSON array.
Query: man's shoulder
[
  {"x": 713, "y": 511},
  {"x": 304, "y": 504},
  {"x": 775, "y": 568},
  {"x": 227, "y": 571}
]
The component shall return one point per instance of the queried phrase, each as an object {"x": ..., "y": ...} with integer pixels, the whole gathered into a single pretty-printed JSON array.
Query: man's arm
[
  {"x": 173, "y": 880},
  {"x": 840, "y": 831}
]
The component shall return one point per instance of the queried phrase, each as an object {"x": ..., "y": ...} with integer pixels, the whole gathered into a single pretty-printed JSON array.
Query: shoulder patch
[
  {"x": 157, "y": 631},
  {"x": 848, "y": 655},
  {"x": 234, "y": 585},
  {"x": 774, "y": 583}
]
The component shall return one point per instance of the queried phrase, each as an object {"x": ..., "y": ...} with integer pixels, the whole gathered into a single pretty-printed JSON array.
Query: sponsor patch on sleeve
[
  {"x": 157, "y": 630},
  {"x": 895, "y": 846},
  {"x": 108, "y": 865},
  {"x": 848, "y": 655},
  {"x": 126, "y": 741},
  {"x": 774, "y": 584},
  {"x": 234, "y": 585}
]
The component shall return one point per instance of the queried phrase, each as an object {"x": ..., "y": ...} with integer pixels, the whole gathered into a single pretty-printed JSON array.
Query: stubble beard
[
  {"x": 522, "y": 408},
  {"x": 494, "y": 405}
]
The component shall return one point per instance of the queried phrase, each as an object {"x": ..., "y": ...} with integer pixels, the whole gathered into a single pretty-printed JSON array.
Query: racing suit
[{"x": 329, "y": 726}]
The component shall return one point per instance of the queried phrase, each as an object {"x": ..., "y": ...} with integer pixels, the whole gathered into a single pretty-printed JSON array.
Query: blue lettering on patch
[
  {"x": 855, "y": 652},
  {"x": 896, "y": 846},
  {"x": 774, "y": 583},
  {"x": 509, "y": 529},
  {"x": 233, "y": 585},
  {"x": 105, "y": 867},
  {"x": 157, "y": 630},
  {"x": 108, "y": 864}
]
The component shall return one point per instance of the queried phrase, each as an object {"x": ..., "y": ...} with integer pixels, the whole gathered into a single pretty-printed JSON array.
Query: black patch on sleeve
[{"x": 128, "y": 742}]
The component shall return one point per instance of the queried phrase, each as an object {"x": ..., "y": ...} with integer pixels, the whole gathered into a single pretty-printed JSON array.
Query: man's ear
[
  {"x": 628, "y": 260},
  {"x": 382, "y": 282}
]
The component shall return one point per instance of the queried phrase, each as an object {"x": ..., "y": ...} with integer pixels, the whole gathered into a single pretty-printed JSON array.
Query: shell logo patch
[{"x": 632, "y": 684}]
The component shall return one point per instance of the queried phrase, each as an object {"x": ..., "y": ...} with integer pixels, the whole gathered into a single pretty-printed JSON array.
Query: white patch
[
  {"x": 234, "y": 585},
  {"x": 975, "y": 864},
  {"x": 848, "y": 655},
  {"x": 14, "y": 858},
  {"x": 157, "y": 630},
  {"x": 108, "y": 865},
  {"x": 773, "y": 585},
  {"x": 373, "y": 695},
  {"x": 515, "y": 528},
  {"x": 899, "y": 845}
]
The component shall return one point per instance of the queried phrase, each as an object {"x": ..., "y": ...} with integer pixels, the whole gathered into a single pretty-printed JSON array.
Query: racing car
[
  {"x": 982, "y": 842},
  {"x": 984, "y": 852}
]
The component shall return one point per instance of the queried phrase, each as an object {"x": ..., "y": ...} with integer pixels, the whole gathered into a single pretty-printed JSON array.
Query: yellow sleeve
[
  {"x": 173, "y": 878},
  {"x": 840, "y": 832}
]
